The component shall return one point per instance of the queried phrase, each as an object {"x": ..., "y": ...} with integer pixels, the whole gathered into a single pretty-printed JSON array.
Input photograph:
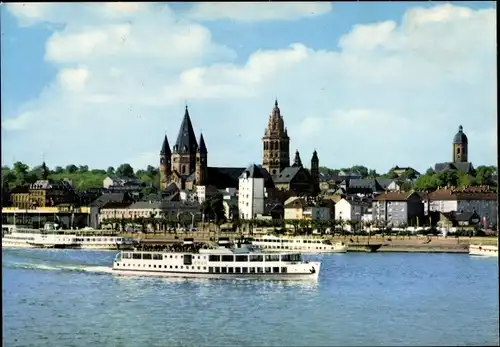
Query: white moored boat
[
  {"x": 300, "y": 244},
  {"x": 13, "y": 237},
  {"x": 483, "y": 250},
  {"x": 217, "y": 262}
]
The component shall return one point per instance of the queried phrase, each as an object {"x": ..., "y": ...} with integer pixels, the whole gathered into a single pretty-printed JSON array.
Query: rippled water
[{"x": 66, "y": 298}]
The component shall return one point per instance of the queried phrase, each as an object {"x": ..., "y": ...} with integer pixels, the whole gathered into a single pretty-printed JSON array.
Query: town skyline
[{"x": 230, "y": 88}]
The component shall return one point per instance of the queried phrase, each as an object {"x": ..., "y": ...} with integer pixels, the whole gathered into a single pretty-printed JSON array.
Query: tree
[
  {"x": 125, "y": 170},
  {"x": 373, "y": 174},
  {"x": 465, "y": 180},
  {"x": 110, "y": 171},
  {"x": 361, "y": 170},
  {"x": 58, "y": 170},
  {"x": 484, "y": 174},
  {"x": 71, "y": 168}
]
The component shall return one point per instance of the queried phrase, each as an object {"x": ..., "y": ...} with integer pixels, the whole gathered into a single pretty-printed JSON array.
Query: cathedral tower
[
  {"x": 185, "y": 148},
  {"x": 460, "y": 146},
  {"x": 297, "y": 161},
  {"x": 201, "y": 163},
  {"x": 165, "y": 163},
  {"x": 315, "y": 173},
  {"x": 276, "y": 143}
]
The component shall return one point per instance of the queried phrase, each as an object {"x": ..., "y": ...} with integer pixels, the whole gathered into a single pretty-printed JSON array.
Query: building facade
[
  {"x": 251, "y": 193},
  {"x": 398, "y": 208}
]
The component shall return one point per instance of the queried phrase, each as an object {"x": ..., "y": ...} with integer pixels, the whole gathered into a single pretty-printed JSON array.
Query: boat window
[
  {"x": 210, "y": 269},
  {"x": 126, "y": 255},
  {"x": 119, "y": 239},
  {"x": 268, "y": 269},
  {"x": 283, "y": 270},
  {"x": 146, "y": 256},
  {"x": 254, "y": 257},
  {"x": 136, "y": 256},
  {"x": 244, "y": 270},
  {"x": 242, "y": 258},
  {"x": 230, "y": 270},
  {"x": 157, "y": 256},
  {"x": 260, "y": 270},
  {"x": 227, "y": 258},
  {"x": 252, "y": 270},
  {"x": 188, "y": 259},
  {"x": 272, "y": 257},
  {"x": 276, "y": 270},
  {"x": 217, "y": 269},
  {"x": 176, "y": 266},
  {"x": 237, "y": 270},
  {"x": 223, "y": 270},
  {"x": 214, "y": 258}
]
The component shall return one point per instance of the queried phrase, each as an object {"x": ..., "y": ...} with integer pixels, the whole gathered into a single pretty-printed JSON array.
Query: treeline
[
  {"x": 430, "y": 180},
  {"x": 81, "y": 176}
]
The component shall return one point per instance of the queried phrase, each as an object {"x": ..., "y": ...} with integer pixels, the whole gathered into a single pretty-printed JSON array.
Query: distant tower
[
  {"x": 460, "y": 147},
  {"x": 201, "y": 163},
  {"x": 45, "y": 171},
  {"x": 185, "y": 148},
  {"x": 315, "y": 173},
  {"x": 276, "y": 143},
  {"x": 297, "y": 161},
  {"x": 165, "y": 163}
]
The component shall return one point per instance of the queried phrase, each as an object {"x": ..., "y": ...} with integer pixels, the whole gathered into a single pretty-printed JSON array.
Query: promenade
[{"x": 431, "y": 244}]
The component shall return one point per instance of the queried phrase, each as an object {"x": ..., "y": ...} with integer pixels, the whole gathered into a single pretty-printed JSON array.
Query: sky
[{"x": 376, "y": 84}]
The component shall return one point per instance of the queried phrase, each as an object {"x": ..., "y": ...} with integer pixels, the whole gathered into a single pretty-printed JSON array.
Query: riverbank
[{"x": 410, "y": 244}]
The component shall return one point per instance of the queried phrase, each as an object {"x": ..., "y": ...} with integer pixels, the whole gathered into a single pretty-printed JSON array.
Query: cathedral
[{"x": 185, "y": 165}]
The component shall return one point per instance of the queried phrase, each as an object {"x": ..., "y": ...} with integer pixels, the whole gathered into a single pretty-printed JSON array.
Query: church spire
[
  {"x": 297, "y": 161},
  {"x": 186, "y": 139},
  {"x": 202, "y": 148},
  {"x": 165, "y": 148}
]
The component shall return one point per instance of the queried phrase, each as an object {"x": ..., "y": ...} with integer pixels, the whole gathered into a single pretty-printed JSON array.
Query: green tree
[
  {"x": 71, "y": 168},
  {"x": 110, "y": 171},
  {"x": 125, "y": 170},
  {"x": 465, "y": 180}
]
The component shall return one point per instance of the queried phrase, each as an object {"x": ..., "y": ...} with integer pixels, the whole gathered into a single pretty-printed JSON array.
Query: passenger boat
[
  {"x": 13, "y": 237},
  {"x": 483, "y": 251},
  {"x": 217, "y": 262},
  {"x": 300, "y": 244}
]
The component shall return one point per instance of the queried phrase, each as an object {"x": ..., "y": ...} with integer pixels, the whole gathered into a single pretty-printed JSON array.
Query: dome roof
[{"x": 460, "y": 138}]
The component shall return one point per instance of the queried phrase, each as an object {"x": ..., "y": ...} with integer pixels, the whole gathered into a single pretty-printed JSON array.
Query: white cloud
[
  {"x": 258, "y": 11},
  {"x": 391, "y": 94}
]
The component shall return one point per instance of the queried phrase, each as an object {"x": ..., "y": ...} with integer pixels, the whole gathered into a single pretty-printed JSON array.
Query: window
[
  {"x": 157, "y": 256},
  {"x": 276, "y": 270},
  {"x": 244, "y": 270},
  {"x": 227, "y": 258},
  {"x": 210, "y": 269},
  {"x": 283, "y": 270},
  {"x": 237, "y": 270},
  {"x": 217, "y": 269},
  {"x": 223, "y": 270},
  {"x": 188, "y": 259},
  {"x": 230, "y": 270},
  {"x": 268, "y": 269},
  {"x": 214, "y": 258},
  {"x": 260, "y": 270},
  {"x": 243, "y": 258},
  {"x": 147, "y": 256},
  {"x": 255, "y": 258},
  {"x": 136, "y": 256},
  {"x": 272, "y": 257}
]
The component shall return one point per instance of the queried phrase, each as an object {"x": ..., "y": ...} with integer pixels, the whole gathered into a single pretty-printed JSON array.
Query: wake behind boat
[
  {"x": 218, "y": 262},
  {"x": 300, "y": 244},
  {"x": 483, "y": 251}
]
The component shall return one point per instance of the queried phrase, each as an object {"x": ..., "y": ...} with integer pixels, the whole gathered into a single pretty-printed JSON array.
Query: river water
[{"x": 68, "y": 298}]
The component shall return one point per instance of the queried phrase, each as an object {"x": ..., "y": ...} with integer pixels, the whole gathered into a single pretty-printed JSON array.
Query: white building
[
  {"x": 351, "y": 209},
  {"x": 251, "y": 193},
  {"x": 479, "y": 199}
]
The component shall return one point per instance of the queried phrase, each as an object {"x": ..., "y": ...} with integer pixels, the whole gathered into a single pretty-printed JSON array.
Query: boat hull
[
  {"x": 483, "y": 251},
  {"x": 267, "y": 277}
]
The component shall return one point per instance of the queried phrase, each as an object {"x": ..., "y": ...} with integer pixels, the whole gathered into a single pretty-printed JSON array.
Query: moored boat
[
  {"x": 483, "y": 250},
  {"x": 299, "y": 244},
  {"x": 217, "y": 262}
]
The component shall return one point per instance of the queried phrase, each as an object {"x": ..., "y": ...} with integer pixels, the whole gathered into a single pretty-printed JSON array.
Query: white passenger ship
[
  {"x": 13, "y": 237},
  {"x": 303, "y": 245},
  {"x": 217, "y": 262},
  {"x": 483, "y": 251}
]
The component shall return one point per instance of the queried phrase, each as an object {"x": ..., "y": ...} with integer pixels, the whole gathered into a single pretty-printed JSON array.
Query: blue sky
[{"x": 376, "y": 84}]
